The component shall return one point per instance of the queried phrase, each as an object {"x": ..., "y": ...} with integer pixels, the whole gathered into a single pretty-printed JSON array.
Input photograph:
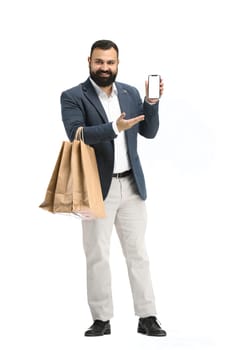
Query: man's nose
[{"x": 104, "y": 66}]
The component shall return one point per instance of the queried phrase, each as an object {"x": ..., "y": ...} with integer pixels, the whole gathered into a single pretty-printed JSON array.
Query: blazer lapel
[
  {"x": 123, "y": 100},
  {"x": 91, "y": 95}
]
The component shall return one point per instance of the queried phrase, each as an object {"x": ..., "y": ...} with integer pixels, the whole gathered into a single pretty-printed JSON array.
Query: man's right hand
[{"x": 124, "y": 124}]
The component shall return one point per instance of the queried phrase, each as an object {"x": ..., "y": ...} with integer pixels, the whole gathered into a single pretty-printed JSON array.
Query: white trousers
[{"x": 127, "y": 211}]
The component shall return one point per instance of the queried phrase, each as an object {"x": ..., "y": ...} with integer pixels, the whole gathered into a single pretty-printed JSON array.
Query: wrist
[
  {"x": 151, "y": 101},
  {"x": 115, "y": 128}
]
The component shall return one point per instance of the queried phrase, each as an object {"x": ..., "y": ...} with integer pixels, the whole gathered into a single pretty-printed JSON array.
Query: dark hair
[{"x": 104, "y": 45}]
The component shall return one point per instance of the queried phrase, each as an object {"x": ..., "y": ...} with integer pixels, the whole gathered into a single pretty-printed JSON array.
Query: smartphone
[{"x": 153, "y": 86}]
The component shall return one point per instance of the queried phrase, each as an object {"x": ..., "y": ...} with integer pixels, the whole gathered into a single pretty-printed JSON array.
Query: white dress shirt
[{"x": 112, "y": 109}]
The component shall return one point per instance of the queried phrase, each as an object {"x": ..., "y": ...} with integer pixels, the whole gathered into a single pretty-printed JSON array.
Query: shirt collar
[{"x": 100, "y": 92}]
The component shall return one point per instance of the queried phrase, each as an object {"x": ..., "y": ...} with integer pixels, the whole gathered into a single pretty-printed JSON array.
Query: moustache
[{"x": 103, "y": 72}]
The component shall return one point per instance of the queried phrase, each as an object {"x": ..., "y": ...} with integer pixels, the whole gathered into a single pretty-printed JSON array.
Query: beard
[{"x": 101, "y": 80}]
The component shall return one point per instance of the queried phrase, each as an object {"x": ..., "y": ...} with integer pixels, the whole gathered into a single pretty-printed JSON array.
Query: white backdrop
[{"x": 188, "y": 167}]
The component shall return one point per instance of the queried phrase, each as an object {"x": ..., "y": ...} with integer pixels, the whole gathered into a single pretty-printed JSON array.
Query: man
[{"x": 112, "y": 115}]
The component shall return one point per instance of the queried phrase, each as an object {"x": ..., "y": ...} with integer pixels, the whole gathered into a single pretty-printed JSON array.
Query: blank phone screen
[{"x": 154, "y": 86}]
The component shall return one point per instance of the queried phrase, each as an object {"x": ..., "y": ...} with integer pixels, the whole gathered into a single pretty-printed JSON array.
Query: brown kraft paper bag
[{"x": 74, "y": 187}]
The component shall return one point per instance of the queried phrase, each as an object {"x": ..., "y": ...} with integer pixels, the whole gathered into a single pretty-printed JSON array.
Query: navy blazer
[{"x": 81, "y": 106}]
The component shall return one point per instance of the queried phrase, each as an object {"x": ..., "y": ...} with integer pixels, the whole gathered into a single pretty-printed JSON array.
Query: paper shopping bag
[
  {"x": 58, "y": 197},
  {"x": 87, "y": 193},
  {"x": 74, "y": 187}
]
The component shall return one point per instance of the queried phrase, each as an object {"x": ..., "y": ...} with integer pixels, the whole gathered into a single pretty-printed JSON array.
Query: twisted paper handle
[{"x": 79, "y": 134}]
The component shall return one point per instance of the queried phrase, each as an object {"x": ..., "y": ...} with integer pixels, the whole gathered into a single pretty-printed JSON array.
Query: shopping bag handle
[{"x": 79, "y": 134}]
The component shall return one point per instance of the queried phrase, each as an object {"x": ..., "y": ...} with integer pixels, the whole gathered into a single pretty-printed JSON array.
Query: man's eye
[{"x": 110, "y": 63}]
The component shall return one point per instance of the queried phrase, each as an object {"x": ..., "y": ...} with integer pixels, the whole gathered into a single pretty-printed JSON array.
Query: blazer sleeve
[
  {"x": 77, "y": 112},
  {"x": 150, "y": 125}
]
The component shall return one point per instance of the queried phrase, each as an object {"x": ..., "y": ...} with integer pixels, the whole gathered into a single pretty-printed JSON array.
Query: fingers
[
  {"x": 122, "y": 116},
  {"x": 161, "y": 87},
  {"x": 146, "y": 88},
  {"x": 136, "y": 120},
  {"x": 124, "y": 124}
]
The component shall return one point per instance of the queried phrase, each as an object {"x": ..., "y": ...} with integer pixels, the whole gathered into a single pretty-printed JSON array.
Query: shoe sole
[
  {"x": 142, "y": 331},
  {"x": 107, "y": 332}
]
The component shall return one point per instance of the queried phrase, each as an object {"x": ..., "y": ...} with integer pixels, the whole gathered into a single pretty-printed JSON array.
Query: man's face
[{"x": 103, "y": 65}]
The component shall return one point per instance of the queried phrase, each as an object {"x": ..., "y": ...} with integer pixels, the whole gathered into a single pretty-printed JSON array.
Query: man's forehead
[{"x": 108, "y": 54}]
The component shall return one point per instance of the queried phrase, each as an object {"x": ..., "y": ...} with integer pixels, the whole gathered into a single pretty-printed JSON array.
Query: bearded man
[{"x": 112, "y": 115}]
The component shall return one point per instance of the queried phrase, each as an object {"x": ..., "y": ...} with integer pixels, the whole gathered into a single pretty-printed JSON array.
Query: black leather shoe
[
  {"x": 150, "y": 326},
  {"x": 98, "y": 328}
]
